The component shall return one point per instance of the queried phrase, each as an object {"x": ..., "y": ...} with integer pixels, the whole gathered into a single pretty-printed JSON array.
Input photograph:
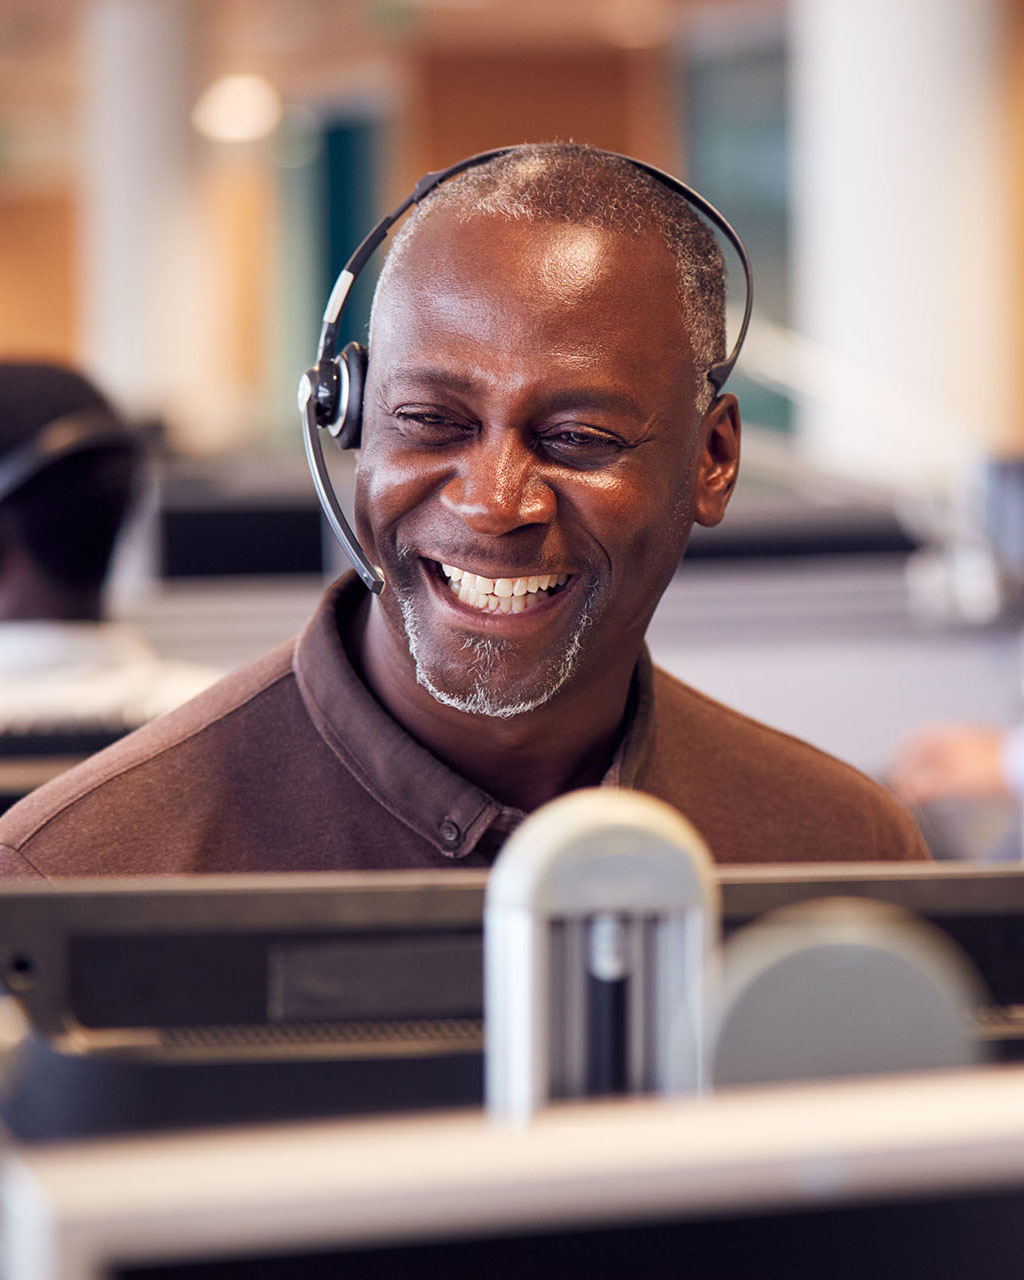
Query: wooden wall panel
[
  {"x": 37, "y": 276},
  {"x": 466, "y": 101},
  {"x": 240, "y": 198}
]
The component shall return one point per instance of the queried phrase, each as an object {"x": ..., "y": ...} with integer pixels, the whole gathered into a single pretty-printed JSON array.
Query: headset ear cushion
[{"x": 350, "y": 412}]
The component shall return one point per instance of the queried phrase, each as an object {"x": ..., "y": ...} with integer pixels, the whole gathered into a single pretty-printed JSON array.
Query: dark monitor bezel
[
  {"x": 40, "y": 921},
  {"x": 82, "y": 1080}
]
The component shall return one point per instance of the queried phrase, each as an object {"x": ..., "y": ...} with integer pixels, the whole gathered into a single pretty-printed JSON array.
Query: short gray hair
[{"x": 568, "y": 182}]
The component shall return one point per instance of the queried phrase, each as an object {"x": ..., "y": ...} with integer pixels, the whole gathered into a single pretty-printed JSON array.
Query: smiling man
[
  {"x": 539, "y": 436},
  {"x": 534, "y": 457}
]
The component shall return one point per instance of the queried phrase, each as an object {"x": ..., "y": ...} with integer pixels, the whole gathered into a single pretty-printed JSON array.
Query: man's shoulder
[
  {"x": 760, "y": 794},
  {"x": 683, "y": 709},
  {"x": 117, "y": 784}
]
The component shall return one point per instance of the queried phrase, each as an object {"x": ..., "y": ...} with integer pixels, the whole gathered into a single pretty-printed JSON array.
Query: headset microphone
[{"x": 331, "y": 393}]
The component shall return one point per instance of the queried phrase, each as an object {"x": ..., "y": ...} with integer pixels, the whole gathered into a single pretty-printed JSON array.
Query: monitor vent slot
[{"x": 434, "y": 1034}]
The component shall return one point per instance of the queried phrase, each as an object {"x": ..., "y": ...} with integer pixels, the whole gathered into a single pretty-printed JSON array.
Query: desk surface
[{"x": 354, "y": 1183}]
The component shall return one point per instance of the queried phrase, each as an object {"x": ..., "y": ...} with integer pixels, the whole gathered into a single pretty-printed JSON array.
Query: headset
[
  {"x": 331, "y": 393},
  {"x": 82, "y": 432}
]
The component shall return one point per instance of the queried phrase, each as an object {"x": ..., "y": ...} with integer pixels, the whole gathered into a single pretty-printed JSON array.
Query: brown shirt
[{"x": 292, "y": 764}]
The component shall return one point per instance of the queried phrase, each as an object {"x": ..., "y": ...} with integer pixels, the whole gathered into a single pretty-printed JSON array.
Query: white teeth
[{"x": 504, "y": 595}]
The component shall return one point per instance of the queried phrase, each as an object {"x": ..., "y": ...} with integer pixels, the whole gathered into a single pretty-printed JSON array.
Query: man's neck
[{"x": 524, "y": 760}]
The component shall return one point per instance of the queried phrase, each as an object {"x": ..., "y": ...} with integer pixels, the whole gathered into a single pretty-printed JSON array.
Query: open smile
[{"x": 501, "y": 595}]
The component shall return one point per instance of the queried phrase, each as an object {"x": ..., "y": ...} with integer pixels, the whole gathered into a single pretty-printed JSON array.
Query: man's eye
[
  {"x": 586, "y": 438},
  {"x": 582, "y": 445},
  {"x": 429, "y": 424}
]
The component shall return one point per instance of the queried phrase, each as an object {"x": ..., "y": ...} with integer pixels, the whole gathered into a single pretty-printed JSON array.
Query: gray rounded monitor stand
[{"x": 842, "y": 987}]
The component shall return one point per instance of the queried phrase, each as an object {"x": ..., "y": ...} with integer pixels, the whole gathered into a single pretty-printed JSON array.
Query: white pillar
[
  {"x": 901, "y": 236},
  {"x": 141, "y": 331}
]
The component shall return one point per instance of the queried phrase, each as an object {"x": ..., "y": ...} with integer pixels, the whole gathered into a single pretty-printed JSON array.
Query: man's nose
[{"x": 499, "y": 486}]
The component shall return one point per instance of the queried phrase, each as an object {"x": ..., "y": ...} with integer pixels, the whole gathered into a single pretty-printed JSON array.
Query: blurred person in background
[
  {"x": 964, "y": 784},
  {"x": 965, "y": 761},
  {"x": 69, "y": 471}
]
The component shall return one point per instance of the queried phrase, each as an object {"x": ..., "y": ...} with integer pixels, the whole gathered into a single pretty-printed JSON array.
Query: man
[
  {"x": 69, "y": 470},
  {"x": 539, "y": 437}
]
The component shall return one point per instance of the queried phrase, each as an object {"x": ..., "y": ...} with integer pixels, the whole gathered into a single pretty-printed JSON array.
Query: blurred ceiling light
[{"x": 238, "y": 108}]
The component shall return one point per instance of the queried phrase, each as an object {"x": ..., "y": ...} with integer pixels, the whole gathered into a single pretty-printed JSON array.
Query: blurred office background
[{"x": 180, "y": 181}]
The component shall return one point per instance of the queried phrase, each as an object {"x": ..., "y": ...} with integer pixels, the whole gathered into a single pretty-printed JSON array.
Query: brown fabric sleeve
[{"x": 14, "y": 866}]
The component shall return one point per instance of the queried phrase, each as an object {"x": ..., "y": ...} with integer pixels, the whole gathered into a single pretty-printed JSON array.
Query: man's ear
[{"x": 719, "y": 460}]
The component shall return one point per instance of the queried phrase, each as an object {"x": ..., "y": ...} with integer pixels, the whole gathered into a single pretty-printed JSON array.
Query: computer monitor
[
  {"x": 920, "y": 1177},
  {"x": 224, "y": 998},
  {"x": 217, "y": 999}
]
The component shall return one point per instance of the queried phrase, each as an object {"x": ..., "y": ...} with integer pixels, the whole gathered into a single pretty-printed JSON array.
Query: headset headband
[{"x": 330, "y": 380}]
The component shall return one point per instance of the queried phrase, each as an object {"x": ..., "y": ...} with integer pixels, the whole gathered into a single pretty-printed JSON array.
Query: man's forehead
[
  {"x": 531, "y": 301},
  {"x": 574, "y": 257}
]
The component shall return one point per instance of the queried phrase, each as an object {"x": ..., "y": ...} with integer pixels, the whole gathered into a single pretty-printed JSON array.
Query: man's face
[{"x": 531, "y": 464}]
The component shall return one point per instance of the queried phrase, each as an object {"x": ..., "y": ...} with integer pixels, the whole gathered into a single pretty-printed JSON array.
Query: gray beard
[{"x": 483, "y": 656}]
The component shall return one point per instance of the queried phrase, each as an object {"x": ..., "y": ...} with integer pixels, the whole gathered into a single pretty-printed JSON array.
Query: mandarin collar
[{"x": 414, "y": 786}]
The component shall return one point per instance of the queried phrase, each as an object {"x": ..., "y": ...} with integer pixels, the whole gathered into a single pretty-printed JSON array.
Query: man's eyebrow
[
  {"x": 606, "y": 398},
  {"x": 428, "y": 376},
  {"x": 557, "y": 400}
]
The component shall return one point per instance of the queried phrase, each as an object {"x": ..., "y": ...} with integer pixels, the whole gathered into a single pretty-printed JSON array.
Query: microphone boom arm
[{"x": 340, "y": 527}]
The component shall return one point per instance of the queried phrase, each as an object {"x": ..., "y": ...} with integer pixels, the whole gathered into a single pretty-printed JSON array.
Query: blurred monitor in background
[{"x": 70, "y": 681}]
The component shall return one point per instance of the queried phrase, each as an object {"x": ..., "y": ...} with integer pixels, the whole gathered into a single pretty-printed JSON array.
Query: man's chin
[
  {"x": 482, "y": 680},
  {"x": 477, "y": 674},
  {"x": 483, "y": 699},
  {"x": 479, "y": 678}
]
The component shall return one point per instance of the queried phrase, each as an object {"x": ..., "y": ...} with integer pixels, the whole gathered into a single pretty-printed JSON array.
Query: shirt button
[{"x": 449, "y": 831}]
